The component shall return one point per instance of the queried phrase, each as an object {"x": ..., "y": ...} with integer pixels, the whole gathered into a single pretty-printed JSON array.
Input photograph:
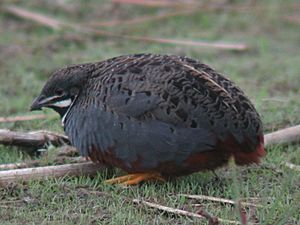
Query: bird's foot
[{"x": 135, "y": 178}]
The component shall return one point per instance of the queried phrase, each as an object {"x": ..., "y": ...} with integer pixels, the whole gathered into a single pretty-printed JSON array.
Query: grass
[{"x": 269, "y": 74}]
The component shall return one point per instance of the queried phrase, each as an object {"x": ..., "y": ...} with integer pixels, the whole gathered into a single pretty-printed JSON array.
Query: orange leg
[{"x": 135, "y": 178}]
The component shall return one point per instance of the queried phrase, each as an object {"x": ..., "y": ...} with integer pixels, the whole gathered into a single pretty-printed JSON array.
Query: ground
[{"x": 268, "y": 72}]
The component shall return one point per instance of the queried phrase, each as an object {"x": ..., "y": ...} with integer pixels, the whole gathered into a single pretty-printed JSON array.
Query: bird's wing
[
  {"x": 163, "y": 87},
  {"x": 174, "y": 90}
]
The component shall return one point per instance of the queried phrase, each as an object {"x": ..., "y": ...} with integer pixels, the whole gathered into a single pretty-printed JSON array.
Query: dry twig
[
  {"x": 21, "y": 118},
  {"x": 10, "y": 166},
  {"x": 179, "y": 211},
  {"x": 87, "y": 30},
  {"x": 36, "y": 163},
  {"x": 284, "y": 136},
  {"x": 77, "y": 169},
  {"x": 35, "y": 139},
  {"x": 215, "y": 199},
  {"x": 216, "y": 45},
  {"x": 292, "y": 166},
  {"x": 36, "y": 17}
]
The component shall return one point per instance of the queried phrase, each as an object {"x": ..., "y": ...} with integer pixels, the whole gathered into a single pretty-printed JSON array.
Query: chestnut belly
[{"x": 176, "y": 166}]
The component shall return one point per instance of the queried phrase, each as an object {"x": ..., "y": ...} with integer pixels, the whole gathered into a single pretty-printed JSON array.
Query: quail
[{"x": 154, "y": 116}]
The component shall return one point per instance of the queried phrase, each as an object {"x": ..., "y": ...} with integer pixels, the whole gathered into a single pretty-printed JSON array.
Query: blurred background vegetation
[{"x": 254, "y": 43}]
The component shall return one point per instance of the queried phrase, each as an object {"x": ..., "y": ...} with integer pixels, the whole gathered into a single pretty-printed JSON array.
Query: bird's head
[{"x": 62, "y": 88}]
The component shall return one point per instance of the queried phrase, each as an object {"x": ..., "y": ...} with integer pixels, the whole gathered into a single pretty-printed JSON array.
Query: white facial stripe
[
  {"x": 63, "y": 104},
  {"x": 64, "y": 117}
]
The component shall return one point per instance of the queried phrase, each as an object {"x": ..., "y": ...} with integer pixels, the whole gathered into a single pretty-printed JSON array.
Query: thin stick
[
  {"x": 21, "y": 118},
  {"x": 284, "y": 136},
  {"x": 215, "y": 199},
  {"x": 77, "y": 169},
  {"x": 35, "y": 139},
  {"x": 36, "y": 163},
  {"x": 216, "y": 45},
  {"x": 10, "y": 166},
  {"x": 292, "y": 166},
  {"x": 179, "y": 211},
  {"x": 36, "y": 17}
]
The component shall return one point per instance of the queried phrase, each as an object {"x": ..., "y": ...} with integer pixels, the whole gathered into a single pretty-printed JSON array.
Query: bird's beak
[
  {"x": 41, "y": 102},
  {"x": 37, "y": 104}
]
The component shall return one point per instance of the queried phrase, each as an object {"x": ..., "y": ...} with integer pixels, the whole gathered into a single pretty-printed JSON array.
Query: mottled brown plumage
[{"x": 155, "y": 113}]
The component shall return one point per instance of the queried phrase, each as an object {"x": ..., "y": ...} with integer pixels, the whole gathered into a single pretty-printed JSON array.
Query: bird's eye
[{"x": 59, "y": 92}]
